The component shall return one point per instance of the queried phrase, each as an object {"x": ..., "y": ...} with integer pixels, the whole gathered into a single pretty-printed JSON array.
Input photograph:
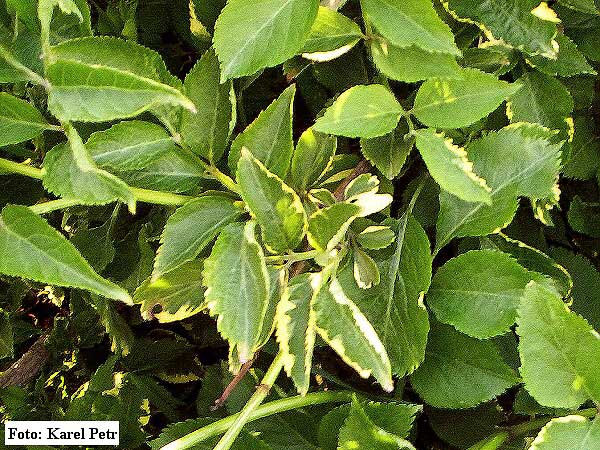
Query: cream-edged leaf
[
  {"x": 269, "y": 136},
  {"x": 449, "y": 165},
  {"x": 174, "y": 296},
  {"x": 344, "y": 327},
  {"x": 276, "y": 206},
  {"x": 296, "y": 328},
  {"x": 237, "y": 288}
]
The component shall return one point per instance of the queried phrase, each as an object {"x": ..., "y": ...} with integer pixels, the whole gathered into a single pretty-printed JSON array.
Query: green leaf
[
  {"x": 460, "y": 371},
  {"x": 587, "y": 41},
  {"x": 461, "y": 102},
  {"x": 25, "y": 48},
  {"x": 528, "y": 166},
  {"x": 395, "y": 307},
  {"x": 541, "y": 99},
  {"x": 583, "y": 217},
  {"x": 46, "y": 9},
  {"x": 412, "y": 22},
  {"x": 376, "y": 237},
  {"x": 450, "y": 167},
  {"x": 38, "y": 252},
  {"x": 581, "y": 158},
  {"x": 332, "y": 34},
  {"x": 96, "y": 244},
  {"x": 394, "y": 418},
  {"x": 351, "y": 335},
  {"x": 19, "y": 121},
  {"x": 514, "y": 22},
  {"x": 139, "y": 265},
  {"x": 478, "y": 292},
  {"x": 412, "y": 64},
  {"x": 72, "y": 173},
  {"x": 175, "y": 171},
  {"x": 129, "y": 145},
  {"x": 359, "y": 431},
  {"x": 88, "y": 93},
  {"x": 586, "y": 284},
  {"x": 296, "y": 330},
  {"x": 361, "y": 111},
  {"x": 179, "y": 294},
  {"x": 276, "y": 281},
  {"x": 130, "y": 58},
  {"x": 275, "y": 205},
  {"x": 568, "y": 433},
  {"x": 388, "y": 152},
  {"x": 560, "y": 352},
  {"x": 269, "y": 137},
  {"x": 312, "y": 157},
  {"x": 570, "y": 60},
  {"x": 124, "y": 55},
  {"x": 496, "y": 58},
  {"x": 250, "y": 36},
  {"x": 237, "y": 282},
  {"x": 328, "y": 226},
  {"x": 101, "y": 78},
  {"x": 190, "y": 229},
  {"x": 207, "y": 132},
  {"x": 531, "y": 258},
  {"x": 366, "y": 272},
  {"x": 585, "y": 6}
]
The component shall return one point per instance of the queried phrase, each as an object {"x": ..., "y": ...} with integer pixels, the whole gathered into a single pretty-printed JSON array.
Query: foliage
[{"x": 394, "y": 203}]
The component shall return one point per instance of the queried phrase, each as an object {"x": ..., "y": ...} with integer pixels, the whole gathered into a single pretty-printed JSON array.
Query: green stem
[
  {"x": 160, "y": 197},
  {"x": 293, "y": 257},
  {"x": 223, "y": 179},
  {"x": 526, "y": 428},
  {"x": 210, "y": 169},
  {"x": 268, "y": 409},
  {"x": 53, "y": 205},
  {"x": 257, "y": 398},
  {"x": 141, "y": 195},
  {"x": 20, "y": 169}
]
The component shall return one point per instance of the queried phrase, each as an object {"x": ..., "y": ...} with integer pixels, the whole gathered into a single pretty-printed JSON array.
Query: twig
[
  {"x": 362, "y": 167},
  {"x": 28, "y": 366},
  {"x": 233, "y": 383}
]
